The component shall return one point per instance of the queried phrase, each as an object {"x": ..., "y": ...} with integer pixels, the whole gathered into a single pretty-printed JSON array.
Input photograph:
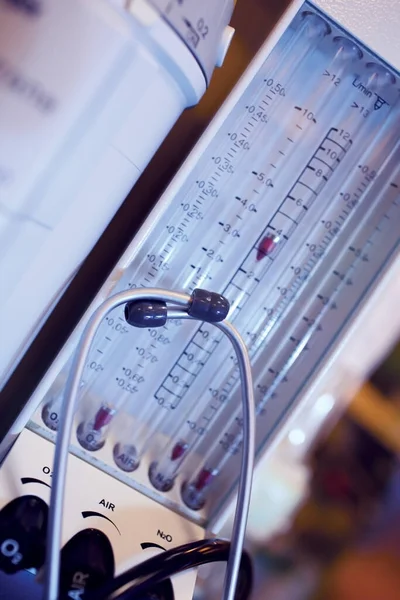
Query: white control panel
[{"x": 135, "y": 526}]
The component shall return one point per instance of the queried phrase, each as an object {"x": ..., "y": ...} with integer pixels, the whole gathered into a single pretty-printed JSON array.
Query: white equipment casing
[{"x": 87, "y": 94}]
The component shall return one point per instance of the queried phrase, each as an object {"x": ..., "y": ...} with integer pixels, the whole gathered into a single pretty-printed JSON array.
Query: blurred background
[{"x": 328, "y": 527}]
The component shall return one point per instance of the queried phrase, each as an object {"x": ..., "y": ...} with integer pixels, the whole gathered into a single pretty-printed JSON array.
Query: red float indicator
[
  {"x": 103, "y": 417},
  {"x": 178, "y": 450},
  {"x": 204, "y": 479},
  {"x": 267, "y": 245}
]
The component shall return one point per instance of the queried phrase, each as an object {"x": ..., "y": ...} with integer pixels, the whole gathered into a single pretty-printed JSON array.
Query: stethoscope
[{"x": 152, "y": 308}]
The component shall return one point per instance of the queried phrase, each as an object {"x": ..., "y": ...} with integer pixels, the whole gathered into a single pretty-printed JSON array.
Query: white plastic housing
[
  {"x": 375, "y": 24},
  {"x": 87, "y": 94}
]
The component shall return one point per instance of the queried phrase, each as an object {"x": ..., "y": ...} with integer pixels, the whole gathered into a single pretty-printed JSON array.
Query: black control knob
[
  {"x": 87, "y": 563},
  {"x": 23, "y": 524}
]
